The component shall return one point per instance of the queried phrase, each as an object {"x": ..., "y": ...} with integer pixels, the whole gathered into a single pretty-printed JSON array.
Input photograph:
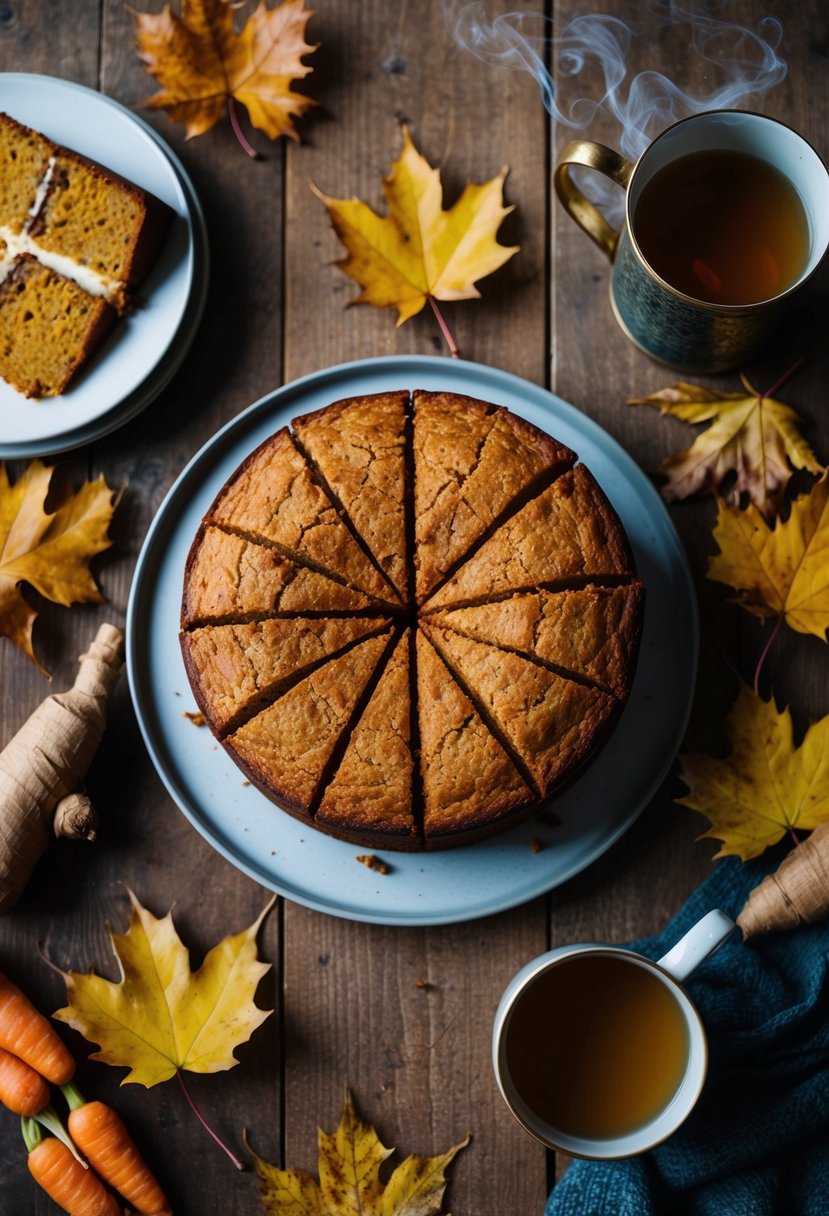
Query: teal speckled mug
[{"x": 667, "y": 320}]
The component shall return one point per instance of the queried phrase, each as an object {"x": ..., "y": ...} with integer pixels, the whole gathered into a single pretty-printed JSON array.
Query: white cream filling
[
  {"x": 43, "y": 185},
  {"x": 90, "y": 280}
]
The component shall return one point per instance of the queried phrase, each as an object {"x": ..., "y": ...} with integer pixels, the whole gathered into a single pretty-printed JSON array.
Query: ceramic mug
[
  {"x": 670, "y": 970},
  {"x": 672, "y": 327}
]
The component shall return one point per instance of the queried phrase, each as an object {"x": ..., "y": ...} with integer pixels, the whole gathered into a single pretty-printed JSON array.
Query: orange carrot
[
  {"x": 21, "y": 1088},
  {"x": 76, "y": 1189},
  {"x": 27, "y": 1034},
  {"x": 100, "y": 1134}
]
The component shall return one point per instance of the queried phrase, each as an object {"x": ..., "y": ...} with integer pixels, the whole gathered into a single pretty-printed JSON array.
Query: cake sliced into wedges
[
  {"x": 274, "y": 498},
  {"x": 358, "y": 446},
  {"x": 592, "y": 632},
  {"x": 553, "y": 724},
  {"x": 471, "y": 459},
  {"x": 568, "y": 531},
  {"x": 370, "y": 794},
  {"x": 470, "y": 784},
  {"x": 234, "y": 668},
  {"x": 286, "y": 748},
  {"x": 230, "y": 577}
]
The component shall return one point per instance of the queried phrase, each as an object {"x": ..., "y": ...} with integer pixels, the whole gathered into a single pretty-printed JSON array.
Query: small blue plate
[{"x": 422, "y": 888}]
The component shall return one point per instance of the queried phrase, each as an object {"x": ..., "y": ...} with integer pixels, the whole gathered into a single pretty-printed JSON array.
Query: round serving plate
[
  {"x": 147, "y": 347},
  {"x": 420, "y": 888}
]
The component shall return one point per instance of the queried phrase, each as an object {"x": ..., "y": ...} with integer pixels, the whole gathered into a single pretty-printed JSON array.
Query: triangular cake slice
[
  {"x": 591, "y": 631},
  {"x": 471, "y": 459},
  {"x": 228, "y": 576},
  {"x": 469, "y": 781},
  {"x": 273, "y": 497},
  {"x": 552, "y": 724},
  {"x": 371, "y": 791},
  {"x": 358, "y": 446},
  {"x": 285, "y": 749},
  {"x": 234, "y": 668},
  {"x": 568, "y": 531}
]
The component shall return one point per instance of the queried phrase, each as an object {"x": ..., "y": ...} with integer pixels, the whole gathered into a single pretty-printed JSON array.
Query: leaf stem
[
  {"x": 794, "y": 836},
  {"x": 238, "y": 132},
  {"x": 762, "y": 658},
  {"x": 444, "y": 329},
  {"x": 795, "y": 367},
  {"x": 240, "y": 1165}
]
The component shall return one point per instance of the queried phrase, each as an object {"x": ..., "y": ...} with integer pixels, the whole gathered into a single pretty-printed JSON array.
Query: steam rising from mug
[{"x": 591, "y": 59}]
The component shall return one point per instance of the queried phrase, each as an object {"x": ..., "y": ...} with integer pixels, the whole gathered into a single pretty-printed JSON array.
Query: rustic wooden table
[{"x": 349, "y": 1008}]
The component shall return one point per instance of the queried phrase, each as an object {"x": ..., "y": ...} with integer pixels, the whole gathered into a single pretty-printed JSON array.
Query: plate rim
[
  {"x": 174, "y": 352},
  {"x": 138, "y": 590}
]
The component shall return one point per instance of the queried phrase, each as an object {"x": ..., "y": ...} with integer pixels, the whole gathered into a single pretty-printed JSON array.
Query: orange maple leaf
[{"x": 204, "y": 66}]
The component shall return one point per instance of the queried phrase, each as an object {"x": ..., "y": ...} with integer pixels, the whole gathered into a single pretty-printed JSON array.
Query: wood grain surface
[{"x": 402, "y": 1016}]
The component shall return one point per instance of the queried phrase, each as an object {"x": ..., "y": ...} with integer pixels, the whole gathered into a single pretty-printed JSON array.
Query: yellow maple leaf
[
  {"x": 781, "y": 571},
  {"x": 349, "y": 1177},
  {"x": 766, "y": 785},
  {"x": 50, "y": 552},
  {"x": 203, "y": 65},
  {"x": 752, "y": 436},
  {"x": 419, "y": 251},
  {"x": 161, "y": 1017}
]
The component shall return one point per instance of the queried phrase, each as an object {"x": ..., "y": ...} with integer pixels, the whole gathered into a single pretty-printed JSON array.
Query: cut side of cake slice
[
  {"x": 592, "y": 632},
  {"x": 274, "y": 498},
  {"x": 370, "y": 795},
  {"x": 49, "y": 327},
  {"x": 553, "y": 724},
  {"x": 568, "y": 531},
  {"x": 357, "y": 445},
  {"x": 24, "y": 163},
  {"x": 469, "y": 781},
  {"x": 471, "y": 461},
  {"x": 285, "y": 750},
  {"x": 235, "y": 669},
  {"x": 230, "y": 577}
]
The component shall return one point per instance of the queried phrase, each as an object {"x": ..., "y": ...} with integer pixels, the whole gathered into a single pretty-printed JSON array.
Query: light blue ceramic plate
[
  {"x": 145, "y": 348},
  {"x": 421, "y": 889}
]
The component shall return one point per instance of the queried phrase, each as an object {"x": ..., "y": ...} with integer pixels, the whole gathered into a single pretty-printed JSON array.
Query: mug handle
[
  {"x": 702, "y": 939},
  {"x": 592, "y": 156}
]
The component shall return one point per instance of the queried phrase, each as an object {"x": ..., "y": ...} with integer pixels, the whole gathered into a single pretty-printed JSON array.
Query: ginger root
[
  {"x": 796, "y": 893},
  {"x": 43, "y": 766}
]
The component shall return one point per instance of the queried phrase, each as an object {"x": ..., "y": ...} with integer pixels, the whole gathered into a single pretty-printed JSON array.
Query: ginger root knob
[{"x": 76, "y": 818}]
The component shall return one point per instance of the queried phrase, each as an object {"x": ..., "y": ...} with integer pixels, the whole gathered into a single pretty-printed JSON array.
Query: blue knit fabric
[{"x": 757, "y": 1143}]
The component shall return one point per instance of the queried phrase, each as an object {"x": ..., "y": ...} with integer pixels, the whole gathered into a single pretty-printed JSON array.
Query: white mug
[{"x": 700, "y": 941}]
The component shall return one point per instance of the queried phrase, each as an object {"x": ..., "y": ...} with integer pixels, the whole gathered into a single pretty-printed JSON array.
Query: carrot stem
[
  {"x": 240, "y": 1165},
  {"x": 49, "y": 1118},
  {"x": 762, "y": 658},
  {"x": 444, "y": 329},
  {"x": 238, "y": 132},
  {"x": 795, "y": 367}
]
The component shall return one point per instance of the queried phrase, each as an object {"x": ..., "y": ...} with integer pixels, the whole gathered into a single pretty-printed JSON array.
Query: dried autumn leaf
[
  {"x": 766, "y": 785},
  {"x": 49, "y": 552},
  {"x": 752, "y": 436},
  {"x": 203, "y": 65},
  {"x": 349, "y": 1177},
  {"x": 781, "y": 571},
  {"x": 419, "y": 251},
  {"x": 161, "y": 1017}
]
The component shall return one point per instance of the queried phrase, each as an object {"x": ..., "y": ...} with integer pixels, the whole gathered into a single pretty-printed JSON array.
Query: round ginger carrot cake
[{"x": 411, "y": 618}]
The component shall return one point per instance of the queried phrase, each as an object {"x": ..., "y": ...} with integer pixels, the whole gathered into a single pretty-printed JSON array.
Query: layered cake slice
[
  {"x": 553, "y": 724},
  {"x": 49, "y": 327},
  {"x": 471, "y": 459},
  {"x": 273, "y": 497},
  {"x": 358, "y": 447},
  {"x": 370, "y": 795},
  {"x": 568, "y": 531},
  {"x": 234, "y": 668},
  {"x": 592, "y": 632},
  {"x": 24, "y": 163},
  {"x": 469, "y": 781},
  {"x": 286, "y": 748},
  {"x": 228, "y": 576}
]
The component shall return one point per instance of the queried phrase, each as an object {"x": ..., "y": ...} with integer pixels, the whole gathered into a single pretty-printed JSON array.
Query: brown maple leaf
[
  {"x": 50, "y": 552},
  {"x": 204, "y": 66},
  {"x": 752, "y": 436}
]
